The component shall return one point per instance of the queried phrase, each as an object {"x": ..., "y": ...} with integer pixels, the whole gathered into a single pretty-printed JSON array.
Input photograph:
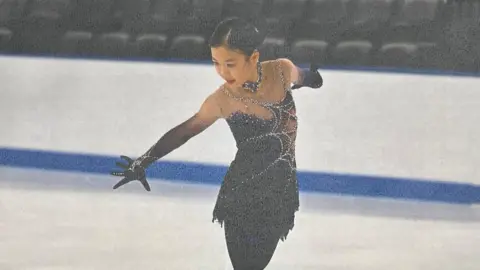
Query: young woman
[{"x": 259, "y": 196}]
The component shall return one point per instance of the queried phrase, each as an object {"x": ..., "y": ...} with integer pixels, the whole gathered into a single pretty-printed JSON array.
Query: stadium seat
[
  {"x": 307, "y": 50},
  {"x": 11, "y": 11},
  {"x": 397, "y": 55},
  {"x": 247, "y": 9},
  {"x": 48, "y": 15},
  {"x": 202, "y": 16},
  {"x": 428, "y": 56},
  {"x": 417, "y": 20},
  {"x": 352, "y": 53},
  {"x": 476, "y": 10},
  {"x": 460, "y": 39},
  {"x": 188, "y": 46},
  {"x": 325, "y": 20},
  {"x": 151, "y": 46},
  {"x": 130, "y": 15},
  {"x": 94, "y": 16},
  {"x": 5, "y": 38},
  {"x": 112, "y": 45},
  {"x": 76, "y": 43},
  {"x": 44, "y": 24},
  {"x": 165, "y": 17},
  {"x": 417, "y": 55},
  {"x": 463, "y": 10},
  {"x": 282, "y": 15},
  {"x": 370, "y": 19},
  {"x": 272, "y": 48}
]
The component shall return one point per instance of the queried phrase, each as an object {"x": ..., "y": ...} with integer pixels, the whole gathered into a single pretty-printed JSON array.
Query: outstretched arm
[
  {"x": 135, "y": 169},
  {"x": 179, "y": 135},
  {"x": 301, "y": 77}
]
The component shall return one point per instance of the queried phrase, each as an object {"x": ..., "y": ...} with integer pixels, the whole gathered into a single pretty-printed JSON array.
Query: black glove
[
  {"x": 133, "y": 171},
  {"x": 311, "y": 78}
]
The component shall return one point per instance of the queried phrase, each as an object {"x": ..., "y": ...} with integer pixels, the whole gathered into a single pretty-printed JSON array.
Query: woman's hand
[
  {"x": 135, "y": 169},
  {"x": 309, "y": 78},
  {"x": 301, "y": 77},
  {"x": 132, "y": 171}
]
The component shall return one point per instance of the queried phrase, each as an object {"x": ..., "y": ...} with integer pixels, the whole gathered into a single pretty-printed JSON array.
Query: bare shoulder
[
  {"x": 282, "y": 66},
  {"x": 213, "y": 104},
  {"x": 288, "y": 68},
  {"x": 285, "y": 64},
  {"x": 218, "y": 96},
  {"x": 270, "y": 63}
]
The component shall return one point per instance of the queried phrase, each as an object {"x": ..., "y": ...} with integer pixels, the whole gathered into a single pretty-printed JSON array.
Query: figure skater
[{"x": 259, "y": 195}]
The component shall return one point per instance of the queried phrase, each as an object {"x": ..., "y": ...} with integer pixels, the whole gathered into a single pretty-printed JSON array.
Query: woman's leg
[{"x": 250, "y": 247}]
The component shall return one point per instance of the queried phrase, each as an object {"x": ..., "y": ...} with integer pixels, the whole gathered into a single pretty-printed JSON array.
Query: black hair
[{"x": 237, "y": 34}]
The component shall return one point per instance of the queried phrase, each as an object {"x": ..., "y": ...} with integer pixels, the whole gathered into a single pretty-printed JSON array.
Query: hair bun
[
  {"x": 244, "y": 34},
  {"x": 259, "y": 26}
]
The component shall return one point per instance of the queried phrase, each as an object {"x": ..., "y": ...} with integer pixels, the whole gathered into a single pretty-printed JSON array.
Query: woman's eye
[{"x": 230, "y": 65}]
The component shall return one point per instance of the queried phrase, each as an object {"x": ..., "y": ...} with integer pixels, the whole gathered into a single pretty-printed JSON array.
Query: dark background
[{"x": 415, "y": 34}]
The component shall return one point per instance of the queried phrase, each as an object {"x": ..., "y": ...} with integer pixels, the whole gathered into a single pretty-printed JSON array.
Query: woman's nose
[{"x": 223, "y": 72}]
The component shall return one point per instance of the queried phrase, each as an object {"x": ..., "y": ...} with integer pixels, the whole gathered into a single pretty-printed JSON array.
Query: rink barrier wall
[
  {"x": 343, "y": 184},
  {"x": 395, "y": 70},
  {"x": 309, "y": 181}
]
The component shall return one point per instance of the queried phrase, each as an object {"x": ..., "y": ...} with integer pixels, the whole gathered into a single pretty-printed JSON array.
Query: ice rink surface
[
  {"x": 365, "y": 124},
  {"x": 59, "y": 220}
]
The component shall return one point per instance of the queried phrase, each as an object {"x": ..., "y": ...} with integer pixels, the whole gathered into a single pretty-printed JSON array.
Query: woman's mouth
[{"x": 230, "y": 81}]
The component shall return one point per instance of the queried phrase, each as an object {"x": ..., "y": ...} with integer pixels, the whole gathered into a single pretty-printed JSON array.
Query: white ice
[{"x": 59, "y": 220}]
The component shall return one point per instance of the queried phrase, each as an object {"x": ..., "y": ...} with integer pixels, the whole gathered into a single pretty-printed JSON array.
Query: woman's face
[{"x": 234, "y": 67}]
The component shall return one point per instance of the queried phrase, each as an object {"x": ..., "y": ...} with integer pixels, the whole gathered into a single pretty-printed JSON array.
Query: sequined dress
[{"x": 260, "y": 187}]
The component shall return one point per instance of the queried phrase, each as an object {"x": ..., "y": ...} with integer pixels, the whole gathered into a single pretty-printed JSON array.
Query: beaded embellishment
[{"x": 253, "y": 86}]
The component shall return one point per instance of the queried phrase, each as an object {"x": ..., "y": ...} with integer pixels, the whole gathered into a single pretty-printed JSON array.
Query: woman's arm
[
  {"x": 208, "y": 113},
  {"x": 301, "y": 77}
]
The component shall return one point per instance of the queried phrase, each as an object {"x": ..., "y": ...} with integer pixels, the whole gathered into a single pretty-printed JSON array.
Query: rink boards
[{"x": 401, "y": 136}]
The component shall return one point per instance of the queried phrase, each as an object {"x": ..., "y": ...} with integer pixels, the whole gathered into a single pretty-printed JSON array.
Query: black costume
[
  {"x": 261, "y": 181},
  {"x": 259, "y": 196}
]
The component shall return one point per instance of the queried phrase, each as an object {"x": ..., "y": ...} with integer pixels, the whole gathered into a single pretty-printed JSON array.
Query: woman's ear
[{"x": 255, "y": 56}]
